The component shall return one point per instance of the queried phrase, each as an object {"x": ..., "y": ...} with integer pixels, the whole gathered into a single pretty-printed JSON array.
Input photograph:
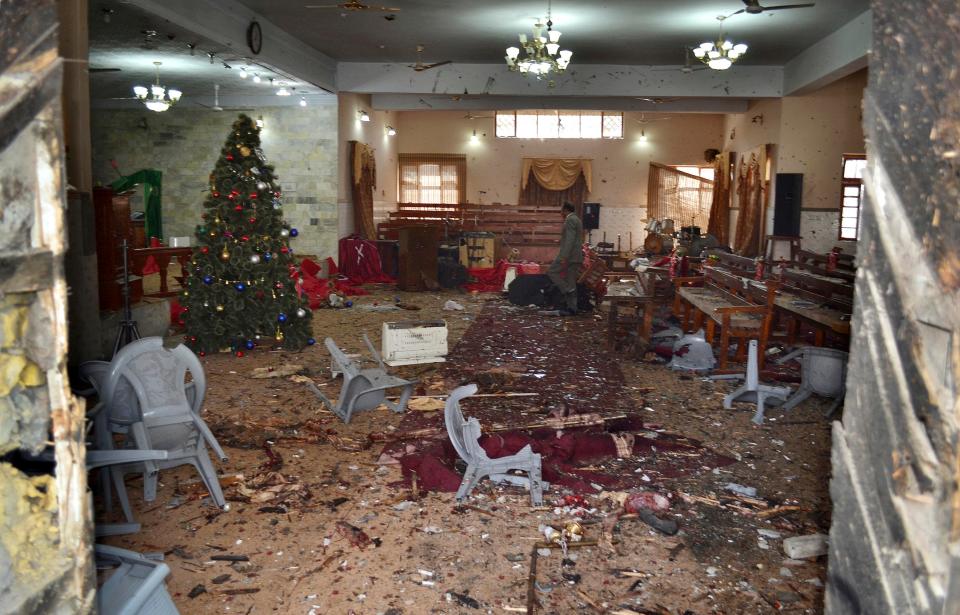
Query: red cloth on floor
[
  {"x": 490, "y": 279},
  {"x": 360, "y": 261},
  {"x": 318, "y": 289}
]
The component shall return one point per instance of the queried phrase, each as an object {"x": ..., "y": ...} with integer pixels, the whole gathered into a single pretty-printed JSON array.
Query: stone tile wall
[{"x": 184, "y": 145}]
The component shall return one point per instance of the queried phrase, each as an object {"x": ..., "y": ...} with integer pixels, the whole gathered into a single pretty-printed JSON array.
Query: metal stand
[{"x": 128, "y": 331}]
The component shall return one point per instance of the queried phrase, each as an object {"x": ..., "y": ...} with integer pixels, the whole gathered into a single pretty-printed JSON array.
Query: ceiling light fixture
[
  {"x": 391, "y": 131},
  {"x": 643, "y": 135},
  {"x": 243, "y": 72},
  {"x": 256, "y": 78},
  {"x": 542, "y": 52},
  {"x": 157, "y": 98},
  {"x": 303, "y": 101},
  {"x": 719, "y": 55},
  {"x": 211, "y": 55},
  {"x": 364, "y": 117},
  {"x": 283, "y": 91}
]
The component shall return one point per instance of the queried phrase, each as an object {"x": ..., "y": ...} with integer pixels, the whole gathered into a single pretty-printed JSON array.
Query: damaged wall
[
  {"x": 620, "y": 166},
  {"x": 810, "y": 134},
  {"x": 374, "y": 134},
  {"x": 45, "y": 527},
  {"x": 184, "y": 145},
  {"x": 896, "y": 504}
]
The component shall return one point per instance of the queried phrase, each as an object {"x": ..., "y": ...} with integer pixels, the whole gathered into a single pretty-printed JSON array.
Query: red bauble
[
  {"x": 204, "y": 249},
  {"x": 216, "y": 194},
  {"x": 202, "y": 353},
  {"x": 181, "y": 322},
  {"x": 284, "y": 250},
  {"x": 253, "y": 220},
  {"x": 193, "y": 339},
  {"x": 279, "y": 284},
  {"x": 253, "y": 195},
  {"x": 238, "y": 208},
  {"x": 229, "y": 156},
  {"x": 244, "y": 238},
  {"x": 239, "y": 353}
]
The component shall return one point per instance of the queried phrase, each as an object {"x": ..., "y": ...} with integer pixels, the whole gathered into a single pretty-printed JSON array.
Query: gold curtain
[
  {"x": 719, "y": 224},
  {"x": 751, "y": 199},
  {"x": 678, "y": 196},
  {"x": 364, "y": 181},
  {"x": 557, "y": 173}
]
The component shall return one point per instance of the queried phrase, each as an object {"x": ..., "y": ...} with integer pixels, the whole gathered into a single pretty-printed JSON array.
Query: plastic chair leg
[
  {"x": 116, "y": 474},
  {"x": 466, "y": 485},
  {"x": 209, "y": 475},
  {"x": 801, "y": 394}
]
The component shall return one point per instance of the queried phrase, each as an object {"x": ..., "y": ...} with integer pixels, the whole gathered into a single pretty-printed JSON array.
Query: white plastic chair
[
  {"x": 464, "y": 434},
  {"x": 823, "y": 372},
  {"x": 365, "y": 389},
  {"x": 164, "y": 417},
  {"x": 135, "y": 587}
]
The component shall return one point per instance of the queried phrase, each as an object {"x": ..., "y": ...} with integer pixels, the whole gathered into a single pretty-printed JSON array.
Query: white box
[
  {"x": 414, "y": 342},
  {"x": 180, "y": 242}
]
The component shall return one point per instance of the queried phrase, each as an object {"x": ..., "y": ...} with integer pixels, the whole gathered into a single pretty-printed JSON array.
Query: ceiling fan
[
  {"x": 655, "y": 100},
  {"x": 753, "y": 7},
  {"x": 420, "y": 66},
  {"x": 643, "y": 121},
  {"x": 687, "y": 67},
  {"x": 353, "y": 5},
  {"x": 471, "y": 116}
]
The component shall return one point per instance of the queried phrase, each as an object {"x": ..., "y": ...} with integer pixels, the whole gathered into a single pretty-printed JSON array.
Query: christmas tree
[{"x": 240, "y": 293}]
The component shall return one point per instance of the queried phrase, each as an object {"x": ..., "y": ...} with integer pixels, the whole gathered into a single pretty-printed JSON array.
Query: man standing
[{"x": 565, "y": 268}]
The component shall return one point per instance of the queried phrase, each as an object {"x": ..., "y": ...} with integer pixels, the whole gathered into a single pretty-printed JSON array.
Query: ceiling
[
  {"x": 125, "y": 42},
  {"x": 599, "y": 32},
  {"x": 374, "y": 53}
]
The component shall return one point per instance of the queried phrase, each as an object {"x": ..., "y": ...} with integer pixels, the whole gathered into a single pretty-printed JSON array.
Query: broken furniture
[
  {"x": 464, "y": 435},
  {"x": 364, "y": 389},
  {"x": 631, "y": 308},
  {"x": 414, "y": 342},
  {"x": 742, "y": 308},
  {"x": 775, "y": 244},
  {"x": 136, "y": 585},
  {"x": 159, "y": 414},
  {"x": 823, "y": 372},
  {"x": 751, "y": 390}
]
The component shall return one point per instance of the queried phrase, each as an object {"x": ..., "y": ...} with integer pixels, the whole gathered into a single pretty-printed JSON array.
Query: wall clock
[{"x": 254, "y": 37}]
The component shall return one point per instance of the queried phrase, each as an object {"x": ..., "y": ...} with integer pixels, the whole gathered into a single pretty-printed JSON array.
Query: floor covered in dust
[{"x": 332, "y": 518}]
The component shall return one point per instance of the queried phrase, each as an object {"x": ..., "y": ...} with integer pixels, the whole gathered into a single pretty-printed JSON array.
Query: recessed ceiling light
[
  {"x": 256, "y": 78},
  {"x": 243, "y": 72}
]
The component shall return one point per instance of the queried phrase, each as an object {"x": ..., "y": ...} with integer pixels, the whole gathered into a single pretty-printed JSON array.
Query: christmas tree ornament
[
  {"x": 206, "y": 304},
  {"x": 281, "y": 317},
  {"x": 301, "y": 313},
  {"x": 245, "y": 151},
  {"x": 249, "y": 344},
  {"x": 204, "y": 250},
  {"x": 252, "y": 220},
  {"x": 284, "y": 249},
  {"x": 294, "y": 232},
  {"x": 267, "y": 256},
  {"x": 255, "y": 259},
  {"x": 219, "y": 308},
  {"x": 240, "y": 286},
  {"x": 261, "y": 185},
  {"x": 311, "y": 341},
  {"x": 279, "y": 335},
  {"x": 225, "y": 255},
  {"x": 208, "y": 279},
  {"x": 239, "y": 353},
  {"x": 284, "y": 232}
]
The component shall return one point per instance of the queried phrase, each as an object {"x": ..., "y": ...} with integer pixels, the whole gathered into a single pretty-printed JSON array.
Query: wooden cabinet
[
  {"x": 112, "y": 218},
  {"x": 418, "y": 257}
]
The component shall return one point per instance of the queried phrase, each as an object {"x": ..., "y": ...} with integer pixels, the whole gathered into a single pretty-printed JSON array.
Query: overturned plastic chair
[
  {"x": 135, "y": 587},
  {"x": 164, "y": 416},
  {"x": 823, "y": 372},
  {"x": 751, "y": 390},
  {"x": 464, "y": 434},
  {"x": 364, "y": 389}
]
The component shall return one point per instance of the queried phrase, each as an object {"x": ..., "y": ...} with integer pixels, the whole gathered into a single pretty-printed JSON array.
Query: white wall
[{"x": 620, "y": 166}]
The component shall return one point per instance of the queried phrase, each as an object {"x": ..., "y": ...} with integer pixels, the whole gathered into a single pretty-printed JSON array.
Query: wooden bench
[
  {"x": 820, "y": 302},
  {"x": 742, "y": 266},
  {"x": 742, "y": 308},
  {"x": 820, "y": 264}
]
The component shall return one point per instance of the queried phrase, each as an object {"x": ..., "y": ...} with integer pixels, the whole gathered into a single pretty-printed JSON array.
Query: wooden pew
[
  {"x": 820, "y": 264},
  {"x": 742, "y": 308}
]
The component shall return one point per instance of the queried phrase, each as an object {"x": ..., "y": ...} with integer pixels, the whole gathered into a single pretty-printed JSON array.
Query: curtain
[
  {"x": 751, "y": 194},
  {"x": 433, "y": 179},
  {"x": 719, "y": 224},
  {"x": 535, "y": 194},
  {"x": 151, "y": 180},
  {"x": 556, "y": 173},
  {"x": 364, "y": 172},
  {"x": 678, "y": 196}
]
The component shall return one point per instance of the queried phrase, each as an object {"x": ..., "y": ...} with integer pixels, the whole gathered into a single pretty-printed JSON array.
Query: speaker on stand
[{"x": 591, "y": 218}]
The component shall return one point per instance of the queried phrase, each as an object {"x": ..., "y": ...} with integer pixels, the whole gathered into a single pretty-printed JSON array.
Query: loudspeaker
[
  {"x": 787, "y": 203},
  {"x": 591, "y": 216}
]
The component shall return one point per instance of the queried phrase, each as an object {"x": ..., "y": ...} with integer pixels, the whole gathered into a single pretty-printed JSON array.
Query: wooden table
[
  {"x": 630, "y": 306},
  {"x": 821, "y": 317},
  {"x": 162, "y": 257}
]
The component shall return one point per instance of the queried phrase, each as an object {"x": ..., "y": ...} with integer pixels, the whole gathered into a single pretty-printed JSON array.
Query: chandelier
[
  {"x": 542, "y": 54},
  {"x": 157, "y": 98},
  {"x": 719, "y": 55}
]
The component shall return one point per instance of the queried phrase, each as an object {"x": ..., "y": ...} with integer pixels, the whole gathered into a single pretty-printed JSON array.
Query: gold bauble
[
  {"x": 245, "y": 151},
  {"x": 225, "y": 255},
  {"x": 219, "y": 308}
]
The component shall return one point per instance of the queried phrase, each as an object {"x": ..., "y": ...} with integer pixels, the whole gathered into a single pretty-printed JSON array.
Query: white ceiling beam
[
  {"x": 835, "y": 56},
  {"x": 418, "y": 102},
  {"x": 225, "y": 22},
  {"x": 587, "y": 80}
]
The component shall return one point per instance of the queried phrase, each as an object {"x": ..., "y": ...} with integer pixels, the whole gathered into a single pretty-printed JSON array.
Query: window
[
  {"x": 704, "y": 172},
  {"x": 851, "y": 195},
  {"x": 432, "y": 178},
  {"x": 546, "y": 124}
]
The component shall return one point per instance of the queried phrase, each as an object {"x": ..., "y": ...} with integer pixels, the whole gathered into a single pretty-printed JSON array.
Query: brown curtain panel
[
  {"x": 535, "y": 194},
  {"x": 678, "y": 196},
  {"x": 556, "y": 173},
  {"x": 719, "y": 225},
  {"x": 364, "y": 175},
  {"x": 750, "y": 190}
]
